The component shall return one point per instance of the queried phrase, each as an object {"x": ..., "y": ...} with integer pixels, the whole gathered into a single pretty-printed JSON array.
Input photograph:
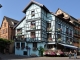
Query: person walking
[
  {"x": 70, "y": 53},
  {"x": 75, "y": 54}
]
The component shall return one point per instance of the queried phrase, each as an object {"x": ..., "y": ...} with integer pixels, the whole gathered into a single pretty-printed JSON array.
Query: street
[{"x": 17, "y": 57}]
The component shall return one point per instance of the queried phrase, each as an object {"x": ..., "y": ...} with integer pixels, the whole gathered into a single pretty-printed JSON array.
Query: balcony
[
  {"x": 19, "y": 33},
  {"x": 19, "y": 39},
  {"x": 77, "y": 35},
  {"x": 59, "y": 30},
  {"x": 30, "y": 40},
  {"x": 49, "y": 39},
  {"x": 69, "y": 42},
  {"x": 33, "y": 36},
  {"x": 70, "y": 34},
  {"x": 33, "y": 27},
  {"x": 59, "y": 40},
  {"x": 49, "y": 29}
]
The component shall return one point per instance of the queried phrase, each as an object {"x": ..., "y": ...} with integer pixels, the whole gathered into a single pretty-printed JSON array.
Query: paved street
[{"x": 15, "y": 57}]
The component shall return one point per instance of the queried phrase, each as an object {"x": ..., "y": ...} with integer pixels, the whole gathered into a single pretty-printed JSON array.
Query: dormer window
[{"x": 32, "y": 13}]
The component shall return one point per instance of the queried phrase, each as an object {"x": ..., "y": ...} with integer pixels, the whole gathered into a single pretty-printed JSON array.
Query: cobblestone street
[{"x": 16, "y": 57}]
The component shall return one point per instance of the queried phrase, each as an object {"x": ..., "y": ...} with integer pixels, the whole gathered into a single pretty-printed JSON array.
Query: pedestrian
[
  {"x": 70, "y": 53},
  {"x": 75, "y": 54}
]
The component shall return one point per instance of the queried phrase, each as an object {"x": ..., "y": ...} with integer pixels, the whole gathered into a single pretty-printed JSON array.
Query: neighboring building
[
  {"x": 79, "y": 33},
  {"x": 76, "y": 28},
  {"x": 40, "y": 27},
  {"x": 6, "y": 29}
]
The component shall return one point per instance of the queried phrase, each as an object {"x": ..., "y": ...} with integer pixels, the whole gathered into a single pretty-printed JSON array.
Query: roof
[
  {"x": 71, "y": 17},
  {"x": 66, "y": 13},
  {"x": 33, "y": 2},
  {"x": 19, "y": 22},
  {"x": 10, "y": 21}
]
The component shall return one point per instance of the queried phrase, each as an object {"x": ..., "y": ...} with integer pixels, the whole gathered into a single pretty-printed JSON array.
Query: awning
[{"x": 68, "y": 45}]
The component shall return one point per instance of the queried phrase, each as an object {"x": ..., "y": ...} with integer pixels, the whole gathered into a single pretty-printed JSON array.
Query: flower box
[
  {"x": 49, "y": 29},
  {"x": 33, "y": 27},
  {"x": 33, "y": 36},
  {"x": 59, "y": 29},
  {"x": 59, "y": 40},
  {"x": 49, "y": 39}
]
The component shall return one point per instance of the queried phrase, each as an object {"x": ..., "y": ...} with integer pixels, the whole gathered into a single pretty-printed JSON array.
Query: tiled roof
[
  {"x": 19, "y": 22},
  {"x": 11, "y": 21}
]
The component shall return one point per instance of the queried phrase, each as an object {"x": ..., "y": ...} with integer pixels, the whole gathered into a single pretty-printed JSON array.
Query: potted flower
[
  {"x": 59, "y": 40},
  {"x": 33, "y": 27},
  {"x": 49, "y": 29},
  {"x": 49, "y": 39}
]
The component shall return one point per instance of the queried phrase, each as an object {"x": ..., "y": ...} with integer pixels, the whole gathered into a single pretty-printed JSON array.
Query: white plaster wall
[{"x": 37, "y": 10}]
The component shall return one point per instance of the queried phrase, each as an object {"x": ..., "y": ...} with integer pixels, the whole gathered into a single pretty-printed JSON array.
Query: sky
[{"x": 14, "y": 8}]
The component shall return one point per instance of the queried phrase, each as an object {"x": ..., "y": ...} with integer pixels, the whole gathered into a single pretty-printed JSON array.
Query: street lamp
[{"x": 0, "y": 5}]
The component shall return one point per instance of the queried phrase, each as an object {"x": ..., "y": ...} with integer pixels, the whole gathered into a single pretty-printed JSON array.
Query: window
[
  {"x": 2, "y": 31},
  {"x": 24, "y": 52},
  {"x": 32, "y": 34},
  {"x": 34, "y": 44},
  {"x": 19, "y": 30},
  {"x": 49, "y": 35},
  {"x": 48, "y": 25},
  {"x": 6, "y": 30},
  {"x": 22, "y": 45},
  {"x": 4, "y": 24},
  {"x": 17, "y": 45},
  {"x": 59, "y": 36},
  {"x": 49, "y": 46},
  {"x": 67, "y": 30},
  {"x": 33, "y": 23},
  {"x": 32, "y": 13},
  {"x": 59, "y": 25},
  {"x": 15, "y": 24},
  {"x": 70, "y": 32}
]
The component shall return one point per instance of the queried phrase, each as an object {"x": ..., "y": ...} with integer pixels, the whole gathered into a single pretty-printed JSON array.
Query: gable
[
  {"x": 60, "y": 12},
  {"x": 33, "y": 7},
  {"x": 38, "y": 4},
  {"x": 4, "y": 21},
  {"x": 21, "y": 23}
]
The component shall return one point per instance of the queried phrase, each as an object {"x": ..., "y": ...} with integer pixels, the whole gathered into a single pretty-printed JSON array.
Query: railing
[
  {"x": 50, "y": 39},
  {"x": 20, "y": 39},
  {"x": 59, "y": 40},
  {"x": 33, "y": 40},
  {"x": 59, "y": 30},
  {"x": 69, "y": 42},
  {"x": 49, "y": 29},
  {"x": 33, "y": 36}
]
